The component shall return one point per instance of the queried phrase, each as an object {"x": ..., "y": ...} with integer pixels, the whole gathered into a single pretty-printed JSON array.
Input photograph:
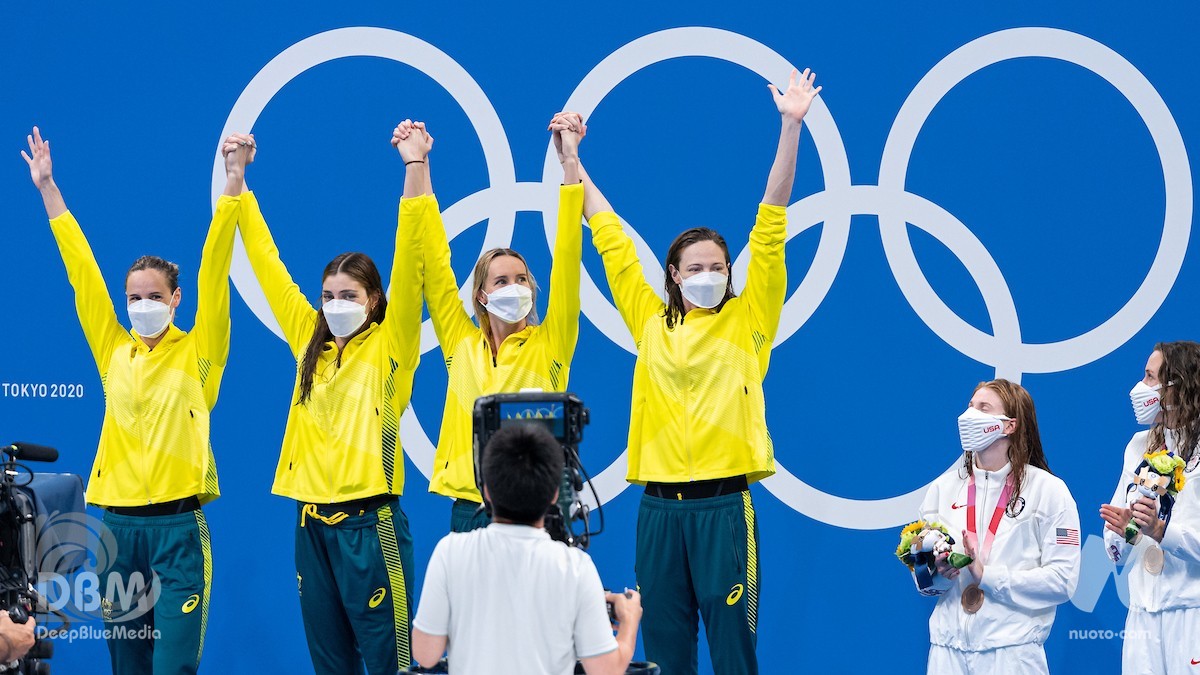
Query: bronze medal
[
  {"x": 972, "y": 598},
  {"x": 1152, "y": 560}
]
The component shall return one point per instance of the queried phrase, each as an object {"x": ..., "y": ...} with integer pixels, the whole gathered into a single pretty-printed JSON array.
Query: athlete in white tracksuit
[
  {"x": 1162, "y": 631},
  {"x": 1031, "y": 568}
]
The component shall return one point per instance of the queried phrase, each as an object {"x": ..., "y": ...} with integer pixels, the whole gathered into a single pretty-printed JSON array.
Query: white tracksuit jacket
[
  {"x": 1162, "y": 631},
  {"x": 1027, "y": 574}
]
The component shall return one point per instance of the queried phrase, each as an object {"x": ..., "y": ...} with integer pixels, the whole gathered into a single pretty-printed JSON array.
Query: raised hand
[
  {"x": 41, "y": 170},
  {"x": 567, "y": 130},
  {"x": 793, "y": 104},
  {"x": 412, "y": 141},
  {"x": 239, "y": 151},
  {"x": 38, "y": 159}
]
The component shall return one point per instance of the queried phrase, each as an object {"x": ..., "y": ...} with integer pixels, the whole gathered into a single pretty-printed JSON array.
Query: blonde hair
[{"x": 479, "y": 278}]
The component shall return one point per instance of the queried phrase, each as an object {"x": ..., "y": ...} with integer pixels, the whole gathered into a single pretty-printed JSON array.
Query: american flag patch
[{"x": 1066, "y": 537}]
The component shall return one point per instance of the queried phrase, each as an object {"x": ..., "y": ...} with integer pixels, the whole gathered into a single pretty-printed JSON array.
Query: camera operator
[
  {"x": 15, "y": 638},
  {"x": 507, "y": 598}
]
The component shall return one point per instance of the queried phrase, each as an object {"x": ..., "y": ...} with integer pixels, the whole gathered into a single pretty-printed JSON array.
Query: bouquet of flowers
[
  {"x": 1159, "y": 477},
  {"x": 921, "y": 544}
]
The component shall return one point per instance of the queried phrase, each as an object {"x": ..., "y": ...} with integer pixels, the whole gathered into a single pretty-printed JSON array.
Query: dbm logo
[
  {"x": 76, "y": 559},
  {"x": 114, "y": 599}
]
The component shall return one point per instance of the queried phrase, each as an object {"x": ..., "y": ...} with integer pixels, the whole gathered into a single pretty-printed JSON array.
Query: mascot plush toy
[
  {"x": 1158, "y": 477},
  {"x": 921, "y": 544}
]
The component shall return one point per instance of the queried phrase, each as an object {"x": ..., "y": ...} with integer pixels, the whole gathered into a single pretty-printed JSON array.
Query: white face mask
[
  {"x": 149, "y": 317},
  {"x": 706, "y": 289},
  {"x": 344, "y": 317},
  {"x": 510, "y": 304},
  {"x": 977, "y": 430},
  {"x": 1146, "y": 402}
]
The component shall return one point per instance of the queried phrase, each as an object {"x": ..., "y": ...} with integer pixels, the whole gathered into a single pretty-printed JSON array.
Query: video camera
[
  {"x": 565, "y": 416},
  {"x": 24, "y": 498}
]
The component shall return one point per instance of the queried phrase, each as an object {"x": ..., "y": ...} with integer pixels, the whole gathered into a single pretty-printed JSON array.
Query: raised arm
[
  {"x": 766, "y": 277},
  {"x": 41, "y": 170},
  {"x": 451, "y": 321},
  {"x": 562, "y": 313},
  {"x": 793, "y": 104},
  {"x": 289, "y": 306},
  {"x": 403, "y": 319},
  {"x": 97, "y": 315},
  {"x": 633, "y": 295},
  {"x": 211, "y": 330}
]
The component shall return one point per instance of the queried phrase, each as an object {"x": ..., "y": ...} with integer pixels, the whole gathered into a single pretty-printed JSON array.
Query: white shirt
[
  {"x": 512, "y": 600},
  {"x": 1179, "y": 584},
  {"x": 1032, "y": 568}
]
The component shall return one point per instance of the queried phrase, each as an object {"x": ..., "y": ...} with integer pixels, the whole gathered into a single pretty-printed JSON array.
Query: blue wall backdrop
[{"x": 979, "y": 193}]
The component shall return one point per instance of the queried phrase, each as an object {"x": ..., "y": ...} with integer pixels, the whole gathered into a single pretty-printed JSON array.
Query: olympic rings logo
[{"x": 834, "y": 206}]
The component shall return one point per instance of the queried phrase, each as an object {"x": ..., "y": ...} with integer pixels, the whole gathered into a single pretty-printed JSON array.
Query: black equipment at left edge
[{"x": 31, "y": 452}]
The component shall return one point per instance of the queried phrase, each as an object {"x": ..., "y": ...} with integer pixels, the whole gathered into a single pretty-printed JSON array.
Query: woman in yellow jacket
[
  {"x": 154, "y": 467},
  {"x": 697, "y": 432},
  {"x": 509, "y": 350},
  {"x": 341, "y": 458}
]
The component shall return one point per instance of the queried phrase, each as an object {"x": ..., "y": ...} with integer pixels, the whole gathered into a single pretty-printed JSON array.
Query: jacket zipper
[
  {"x": 140, "y": 405},
  {"x": 337, "y": 365},
  {"x": 687, "y": 401}
]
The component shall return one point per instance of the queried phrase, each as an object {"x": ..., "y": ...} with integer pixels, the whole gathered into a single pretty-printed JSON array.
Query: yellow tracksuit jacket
[
  {"x": 344, "y": 442},
  {"x": 154, "y": 444},
  {"x": 698, "y": 411},
  {"x": 536, "y": 357}
]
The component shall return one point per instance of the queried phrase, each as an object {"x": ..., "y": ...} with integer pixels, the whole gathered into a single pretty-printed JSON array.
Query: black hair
[{"x": 522, "y": 468}]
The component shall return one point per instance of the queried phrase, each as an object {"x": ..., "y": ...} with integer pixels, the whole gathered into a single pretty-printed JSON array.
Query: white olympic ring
[
  {"x": 833, "y": 206},
  {"x": 1009, "y": 349}
]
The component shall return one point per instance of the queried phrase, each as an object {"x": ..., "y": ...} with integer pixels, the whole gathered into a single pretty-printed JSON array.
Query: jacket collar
[{"x": 169, "y": 338}]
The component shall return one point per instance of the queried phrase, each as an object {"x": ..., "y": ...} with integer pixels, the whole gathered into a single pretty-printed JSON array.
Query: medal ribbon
[{"x": 994, "y": 525}]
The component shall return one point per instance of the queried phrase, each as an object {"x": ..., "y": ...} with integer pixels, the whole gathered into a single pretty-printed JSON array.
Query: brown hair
[
  {"x": 1025, "y": 444},
  {"x": 152, "y": 262},
  {"x": 482, "y": 269},
  {"x": 361, "y": 268},
  {"x": 674, "y": 311},
  {"x": 1181, "y": 369}
]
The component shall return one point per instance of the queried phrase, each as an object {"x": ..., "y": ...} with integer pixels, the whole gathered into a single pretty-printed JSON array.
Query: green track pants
[
  {"x": 353, "y": 572},
  {"x": 698, "y": 558},
  {"x": 159, "y": 632}
]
